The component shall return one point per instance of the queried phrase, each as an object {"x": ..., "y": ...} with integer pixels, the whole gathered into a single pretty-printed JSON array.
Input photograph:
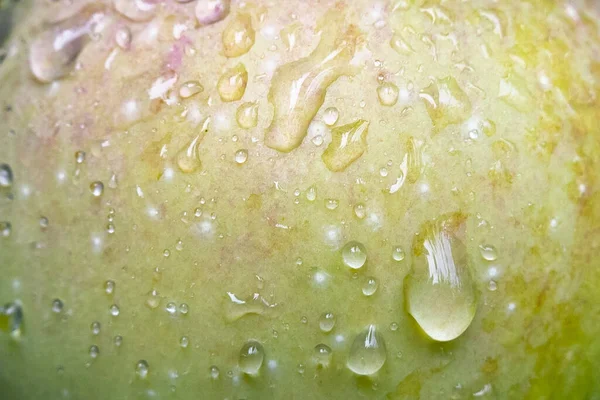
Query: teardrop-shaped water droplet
[
  {"x": 232, "y": 84},
  {"x": 348, "y": 143},
  {"x": 368, "y": 352},
  {"x": 189, "y": 89},
  {"x": 188, "y": 159},
  {"x": 251, "y": 357},
  {"x": 247, "y": 115},
  {"x": 439, "y": 290},
  {"x": 238, "y": 36},
  {"x": 354, "y": 254}
]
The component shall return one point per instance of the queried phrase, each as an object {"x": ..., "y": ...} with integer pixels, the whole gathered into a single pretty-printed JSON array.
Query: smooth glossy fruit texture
[{"x": 300, "y": 199}]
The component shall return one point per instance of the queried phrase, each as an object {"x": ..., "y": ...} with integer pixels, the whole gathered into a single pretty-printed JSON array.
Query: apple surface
[{"x": 319, "y": 199}]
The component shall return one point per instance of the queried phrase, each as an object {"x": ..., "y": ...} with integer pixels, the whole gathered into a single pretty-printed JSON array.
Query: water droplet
[
  {"x": 488, "y": 252},
  {"x": 94, "y": 351},
  {"x": 211, "y": 11},
  {"x": 492, "y": 286},
  {"x": 189, "y": 89},
  {"x": 370, "y": 286},
  {"x": 97, "y": 188},
  {"x": 95, "y": 327},
  {"x": 322, "y": 355},
  {"x": 232, "y": 84},
  {"x": 398, "y": 253},
  {"x": 166, "y": 253},
  {"x": 247, "y": 115},
  {"x": 214, "y": 372},
  {"x": 238, "y": 36},
  {"x": 368, "y": 352},
  {"x": 383, "y": 172},
  {"x": 142, "y": 368},
  {"x": 400, "y": 45},
  {"x": 354, "y": 254},
  {"x": 153, "y": 300},
  {"x": 6, "y": 176},
  {"x": 330, "y": 116},
  {"x": 394, "y": 326},
  {"x": 11, "y": 319},
  {"x": 188, "y": 159},
  {"x": 360, "y": 211},
  {"x": 327, "y": 322},
  {"x": 57, "y": 305},
  {"x": 171, "y": 308},
  {"x": 241, "y": 156},
  {"x": 123, "y": 37},
  {"x": 489, "y": 127},
  {"x": 299, "y": 88},
  {"x": 184, "y": 342},
  {"x": 184, "y": 308},
  {"x": 387, "y": 94},
  {"x": 80, "y": 157},
  {"x": 513, "y": 91},
  {"x": 317, "y": 140},
  {"x": 110, "y": 228},
  {"x": 251, "y": 358},
  {"x": 348, "y": 143},
  {"x": 311, "y": 193},
  {"x": 5, "y": 228},
  {"x": 331, "y": 204},
  {"x": 439, "y": 291},
  {"x": 118, "y": 340},
  {"x": 446, "y": 102},
  {"x": 114, "y": 310}
]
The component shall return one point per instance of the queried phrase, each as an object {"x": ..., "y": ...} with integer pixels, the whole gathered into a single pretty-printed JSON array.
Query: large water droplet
[
  {"x": 114, "y": 310},
  {"x": 232, "y": 84},
  {"x": 238, "y": 36},
  {"x": 367, "y": 353},
  {"x": 439, "y": 291},
  {"x": 251, "y": 358},
  {"x": 322, "y": 355},
  {"x": 142, "y": 368},
  {"x": 446, "y": 102},
  {"x": 327, "y": 322},
  {"x": 11, "y": 319},
  {"x": 354, "y": 254},
  {"x": 237, "y": 308},
  {"x": 189, "y": 89},
  {"x": 6, "y": 176},
  {"x": 348, "y": 143},
  {"x": 247, "y": 115},
  {"x": 188, "y": 159},
  {"x": 388, "y": 94},
  {"x": 211, "y": 11},
  {"x": 298, "y": 88}
]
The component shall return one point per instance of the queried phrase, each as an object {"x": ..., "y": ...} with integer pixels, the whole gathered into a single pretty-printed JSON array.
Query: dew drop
[
  {"x": 142, "y": 368},
  {"x": 238, "y": 36},
  {"x": 97, "y": 188},
  {"x": 241, "y": 156},
  {"x": 171, "y": 308},
  {"x": 118, "y": 340},
  {"x": 394, "y": 326},
  {"x": 327, "y": 322},
  {"x": 370, "y": 286},
  {"x": 123, "y": 37},
  {"x": 11, "y": 319},
  {"x": 354, "y": 254},
  {"x": 488, "y": 252},
  {"x": 94, "y": 351},
  {"x": 247, "y": 115},
  {"x": 184, "y": 309},
  {"x": 188, "y": 159},
  {"x": 331, "y": 204},
  {"x": 189, "y": 89},
  {"x": 214, "y": 372},
  {"x": 184, "y": 342},
  {"x": 251, "y": 357},
  {"x": 311, "y": 193},
  {"x": 153, "y": 300},
  {"x": 439, "y": 291},
  {"x": 114, "y": 310},
  {"x": 492, "y": 286},
  {"x": 5, "y": 228},
  {"x": 400, "y": 45},
  {"x": 95, "y": 327},
  {"x": 80, "y": 157},
  {"x": 330, "y": 116},
  {"x": 232, "y": 84},
  {"x": 57, "y": 305},
  {"x": 211, "y": 11},
  {"x": 398, "y": 254},
  {"x": 387, "y": 94},
  {"x": 360, "y": 211},
  {"x": 6, "y": 176},
  {"x": 368, "y": 352},
  {"x": 322, "y": 355},
  {"x": 446, "y": 102},
  {"x": 348, "y": 143}
]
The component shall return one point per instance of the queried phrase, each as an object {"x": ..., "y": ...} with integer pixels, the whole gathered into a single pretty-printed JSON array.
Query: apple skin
[{"x": 496, "y": 117}]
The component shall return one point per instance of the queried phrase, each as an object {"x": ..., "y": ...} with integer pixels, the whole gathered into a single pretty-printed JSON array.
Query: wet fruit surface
[{"x": 359, "y": 199}]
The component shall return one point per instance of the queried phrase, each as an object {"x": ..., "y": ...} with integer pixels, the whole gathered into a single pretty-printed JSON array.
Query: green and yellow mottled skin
[{"x": 526, "y": 180}]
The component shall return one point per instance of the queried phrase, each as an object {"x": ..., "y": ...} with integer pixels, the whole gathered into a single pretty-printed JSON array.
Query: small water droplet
[
  {"x": 322, "y": 355},
  {"x": 317, "y": 140},
  {"x": 5, "y": 228},
  {"x": 398, "y": 254},
  {"x": 95, "y": 327},
  {"x": 492, "y": 286},
  {"x": 304, "y": 320},
  {"x": 348, "y": 143},
  {"x": 188, "y": 159},
  {"x": 114, "y": 310},
  {"x": 118, "y": 340},
  {"x": 331, "y": 204},
  {"x": 394, "y": 326},
  {"x": 6, "y": 176},
  {"x": 368, "y": 352},
  {"x": 57, "y": 305},
  {"x": 142, "y": 368},
  {"x": 189, "y": 89},
  {"x": 123, "y": 37},
  {"x": 311, "y": 193},
  {"x": 360, "y": 211},
  {"x": 80, "y": 157},
  {"x": 238, "y": 36},
  {"x": 166, "y": 253},
  {"x": 11, "y": 319},
  {"x": 383, "y": 172},
  {"x": 330, "y": 116},
  {"x": 247, "y": 115},
  {"x": 184, "y": 342},
  {"x": 184, "y": 308},
  {"x": 94, "y": 351},
  {"x": 211, "y": 11},
  {"x": 354, "y": 254},
  {"x": 251, "y": 357},
  {"x": 370, "y": 286},
  {"x": 153, "y": 300},
  {"x": 488, "y": 252},
  {"x": 110, "y": 229},
  {"x": 387, "y": 94},
  {"x": 171, "y": 308},
  {"x": 232, "y": 84},
  {"x": 327, "y": 322},
  {"x": 241, "y": 156},
  {"x": 97, "y": 188},
  {"x": 214, "y": 372}
]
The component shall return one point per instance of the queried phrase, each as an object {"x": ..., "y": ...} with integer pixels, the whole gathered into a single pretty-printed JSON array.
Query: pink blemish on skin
[{"x": 175, "y": 55}]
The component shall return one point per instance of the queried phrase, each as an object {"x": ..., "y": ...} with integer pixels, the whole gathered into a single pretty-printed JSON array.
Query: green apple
[{"x": 300, "y": 199}]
